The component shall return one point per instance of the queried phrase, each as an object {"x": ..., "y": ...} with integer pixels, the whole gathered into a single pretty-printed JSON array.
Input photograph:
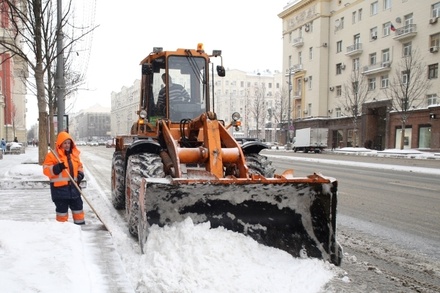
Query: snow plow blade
[{"x": 297, "y": 215}]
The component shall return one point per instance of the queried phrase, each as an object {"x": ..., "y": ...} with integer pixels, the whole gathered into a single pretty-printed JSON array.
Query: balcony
[
  {"x": 377, "y": 68},
  {"x": 354, "y": 50},
  {"x": 296, "y": 95},
  {"x": 298, "y": 42},
  {"x": 405, "y": 33},
  {"x": 296, "y": 68}
]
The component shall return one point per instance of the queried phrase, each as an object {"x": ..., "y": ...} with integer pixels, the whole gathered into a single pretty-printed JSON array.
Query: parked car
[
  {"x": 80, "y": 143},
  {"x": 110, "y": 143},
  {"x": 93, "y": 143},
  {"x": 14, "y": 147}
]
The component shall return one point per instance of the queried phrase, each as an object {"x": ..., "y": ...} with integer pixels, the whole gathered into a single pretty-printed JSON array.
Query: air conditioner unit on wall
[
  {"x": 386, "y": 64},
  {"x": 433, "y": 49},
  {"x": 433, "y": 20},
  {"x": 374, "y": 37},
  {"x": 332, "y": 88},
  {"x": 342, "y": 66},
  {"x": 307, "y": 27}
]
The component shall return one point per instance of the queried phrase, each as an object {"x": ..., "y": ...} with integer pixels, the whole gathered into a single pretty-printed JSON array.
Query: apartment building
[
  {"x": 258, "y": 97},
  {"x": 91, "y": 124},
  {"x": 344, "y": 58}
]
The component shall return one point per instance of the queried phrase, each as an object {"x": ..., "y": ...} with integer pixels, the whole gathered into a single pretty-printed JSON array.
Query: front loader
[{"x": 180, "y": 160}]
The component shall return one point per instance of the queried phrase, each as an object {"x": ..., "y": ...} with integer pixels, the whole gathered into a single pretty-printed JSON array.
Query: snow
[
  {"x": 47, "y": 256},
  {"x": 394, "y": 153}
]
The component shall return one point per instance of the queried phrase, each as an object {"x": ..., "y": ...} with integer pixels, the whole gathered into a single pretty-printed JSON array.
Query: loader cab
[{"x": 178, "y": 87}]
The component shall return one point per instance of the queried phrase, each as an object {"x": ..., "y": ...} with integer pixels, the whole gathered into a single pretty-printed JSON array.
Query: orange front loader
[{"x": 181, "y": 161}]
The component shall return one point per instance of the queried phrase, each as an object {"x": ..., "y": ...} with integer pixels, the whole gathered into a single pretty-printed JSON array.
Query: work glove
[
  {"x": 58, "y": 168},
  {"x": 79, "y": 177}
]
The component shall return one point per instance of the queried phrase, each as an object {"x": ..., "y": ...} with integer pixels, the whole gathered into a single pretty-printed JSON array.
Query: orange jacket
[{"x": 63, "y": 178}]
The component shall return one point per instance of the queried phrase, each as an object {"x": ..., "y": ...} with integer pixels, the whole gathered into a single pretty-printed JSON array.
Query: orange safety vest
[{"x": 50, "y": 161}]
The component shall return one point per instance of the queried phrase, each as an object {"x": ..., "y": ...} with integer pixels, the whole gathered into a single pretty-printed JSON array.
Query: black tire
[
  {"x": 139, "y": 166},
  {"x": 118, "y": 177},
  {"x": 260, "y": 165}
]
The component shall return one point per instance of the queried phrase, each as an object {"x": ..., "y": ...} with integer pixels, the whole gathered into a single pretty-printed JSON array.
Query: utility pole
[
  {"x": 289, "y": 126},
  {"x": 59, "y": 78}
]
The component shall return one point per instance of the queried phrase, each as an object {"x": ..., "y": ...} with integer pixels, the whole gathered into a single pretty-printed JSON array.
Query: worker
[
  {"x": 177, "y": 94},
  {"x": 57, "y": 166}
]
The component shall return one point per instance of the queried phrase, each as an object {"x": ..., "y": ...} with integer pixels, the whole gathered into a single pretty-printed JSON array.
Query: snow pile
[
  {"x": 194, "y": 258},
  {"x": 45, "y": 257}
]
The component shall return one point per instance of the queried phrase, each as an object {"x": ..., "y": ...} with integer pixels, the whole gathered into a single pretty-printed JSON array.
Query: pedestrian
[
  {"x": 3, "y": 145},
  {"x": 63, "y": 191},
  {"x": 15, "y": 139}
]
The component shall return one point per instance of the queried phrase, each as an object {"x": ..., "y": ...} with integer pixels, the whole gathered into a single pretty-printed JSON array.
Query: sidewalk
[{"x": 25, "y": 197}]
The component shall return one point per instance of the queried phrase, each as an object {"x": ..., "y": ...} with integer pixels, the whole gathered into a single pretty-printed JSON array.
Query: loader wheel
[
  {"x": 118, "y": 176},
  {"x": 259, "y": 164},
  {"x": 139, "y": 166}
]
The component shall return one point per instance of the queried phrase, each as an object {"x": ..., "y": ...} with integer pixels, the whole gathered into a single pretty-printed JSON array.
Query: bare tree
[
  {"x": 407, "y": 85},
  {"x": 257, "y": 107},
  {"x": 354, "y": 94},
  {"x": 34, "y": 34}
]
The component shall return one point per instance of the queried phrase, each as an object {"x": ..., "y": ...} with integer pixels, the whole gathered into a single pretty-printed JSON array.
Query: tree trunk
[{"x": 402, "y": 136}]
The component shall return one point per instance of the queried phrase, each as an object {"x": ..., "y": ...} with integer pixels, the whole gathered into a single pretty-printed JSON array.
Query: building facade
[
  {"x": 92, "y": 124},
  {"x": 13, "y": 74},
  {"x": 326, "y": 42}
]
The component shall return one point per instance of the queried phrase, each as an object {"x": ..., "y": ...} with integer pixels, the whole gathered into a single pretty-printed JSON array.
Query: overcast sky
[{"x": 249, "y": 33}]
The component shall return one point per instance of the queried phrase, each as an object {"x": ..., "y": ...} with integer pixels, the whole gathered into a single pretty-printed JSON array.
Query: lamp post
[
  {"x": 289, "y": 75},
  {"x": 59, "y": 79}
]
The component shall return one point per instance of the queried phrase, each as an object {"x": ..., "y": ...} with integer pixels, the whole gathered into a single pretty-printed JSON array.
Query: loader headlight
[
  {"x": 235, "y": 116},
  {"x": 143, "y": 114}
]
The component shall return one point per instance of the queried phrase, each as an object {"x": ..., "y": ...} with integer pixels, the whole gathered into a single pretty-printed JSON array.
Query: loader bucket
[{"x": 296, "y": 215}]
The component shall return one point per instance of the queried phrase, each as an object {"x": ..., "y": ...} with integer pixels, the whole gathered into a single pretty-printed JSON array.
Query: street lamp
[{"x": 289, "y": 110}]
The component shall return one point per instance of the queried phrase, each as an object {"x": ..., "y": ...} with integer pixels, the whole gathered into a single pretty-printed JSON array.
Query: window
[
  {"x": 432, "y": 99},
  {"x": 373, "y": 33},
  {"x": 290, "y": 38},
  {"x": 405, "y": 77},
  {"x": 386, "y": 29},
  {"x": 436, "y": 10},
  {"x": 338, "y": 68},
  {"x": 372, "y": 84},
  {"x": 386, "y": 4},
  {"x": 310, "y": 109},
  {"x": 290, "y": 61},
  {"x": 299, "y": 57},
  {"x": 424, "y": 137},
  {"x": 311, "y": 53},
  {"x": 384, "y": 80},
  {"x": 357, "y": 40},
  {"x": 373, "y": 8},
  {"x": 406, "y": 49},
  {"x": 356, "y": 64},
  {"x": 433, "y": 71},
  {"x": 386, "y": 55},
  {"x": 353, "y": 17},
  {"x": 338, "y": 112},
  {"x": 342, "y": 23},
  {"x": 338, "y": 46},
  {"x": 338, "y": 90},
  {"x": 434, "y": 40},
  {"x": 408, "y": 19},
  {"x": 360, "y": 14},
  {"x": 310, "y": 82},
  {"x": 373, "y": 58}
]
